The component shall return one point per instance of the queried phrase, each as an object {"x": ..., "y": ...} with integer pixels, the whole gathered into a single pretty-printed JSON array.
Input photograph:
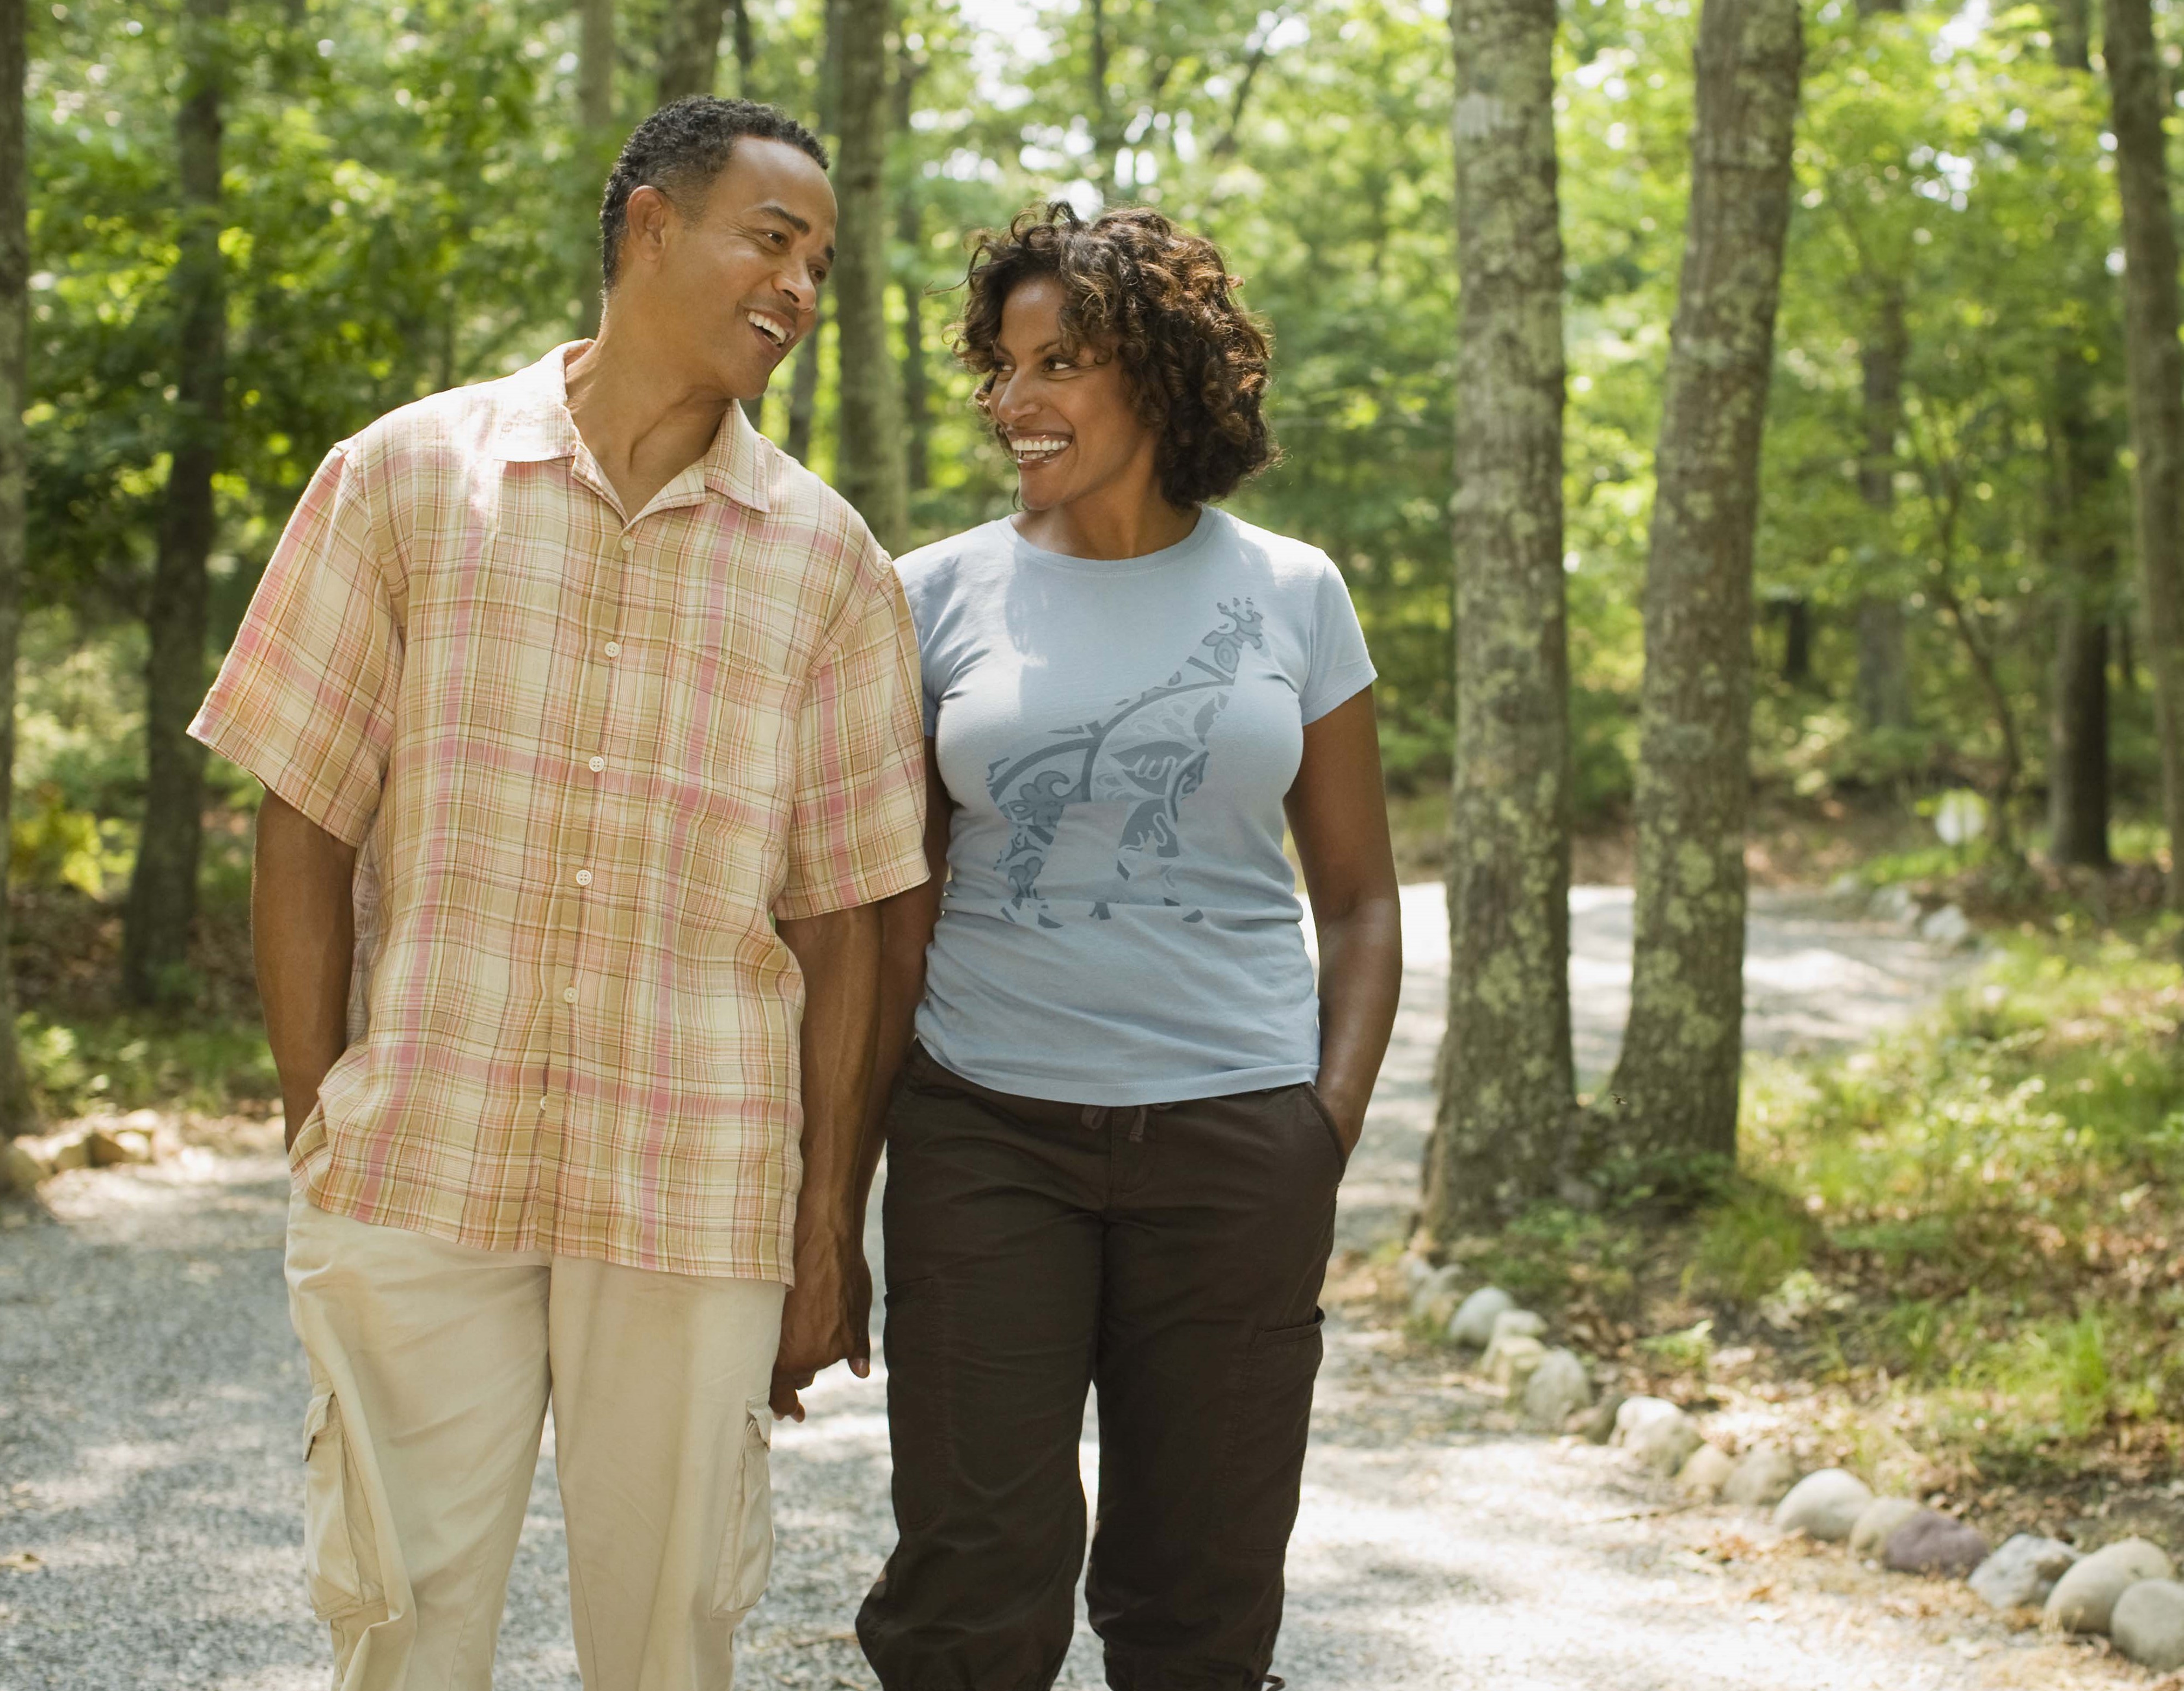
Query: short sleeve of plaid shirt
[
  {"x": 861, "y": 759},
  {"x": 306, "y": 700}
]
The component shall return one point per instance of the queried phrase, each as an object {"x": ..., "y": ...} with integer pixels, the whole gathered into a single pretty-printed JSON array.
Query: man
[{"x": 589, "y": 728}]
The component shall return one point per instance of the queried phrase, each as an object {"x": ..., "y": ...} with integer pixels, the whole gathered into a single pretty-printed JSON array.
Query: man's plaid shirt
[{"x": 587, "y": 761}]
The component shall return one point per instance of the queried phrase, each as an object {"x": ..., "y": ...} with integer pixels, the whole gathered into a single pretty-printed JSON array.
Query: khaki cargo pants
[{"x": 433, "y": 1366}]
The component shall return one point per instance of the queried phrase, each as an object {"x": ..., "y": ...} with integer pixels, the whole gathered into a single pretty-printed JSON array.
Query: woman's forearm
[
  {"x": 1361, "y": 975},
  {"x": 907, "y": 923}
]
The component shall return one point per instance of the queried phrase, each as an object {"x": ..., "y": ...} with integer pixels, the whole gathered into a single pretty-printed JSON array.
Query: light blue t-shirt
[{"x": 1119, "y": 925}]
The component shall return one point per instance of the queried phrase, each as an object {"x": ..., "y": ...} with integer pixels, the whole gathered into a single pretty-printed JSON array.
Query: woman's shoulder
[
  {"x": 940, "y": 564},
  {"x": 1286, "y": 561}
]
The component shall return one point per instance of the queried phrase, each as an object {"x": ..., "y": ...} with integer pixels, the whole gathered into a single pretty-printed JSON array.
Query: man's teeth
[
  {"x": 766, "y": 326},
  {"x": 1029, "y": 448}
]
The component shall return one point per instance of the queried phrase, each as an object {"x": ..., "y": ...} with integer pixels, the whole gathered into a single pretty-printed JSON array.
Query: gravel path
[{"x": 151, "y": 1393}]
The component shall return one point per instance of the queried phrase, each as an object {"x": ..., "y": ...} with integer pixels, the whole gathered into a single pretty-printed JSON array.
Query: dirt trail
[{"x": 150, "y": 1395}]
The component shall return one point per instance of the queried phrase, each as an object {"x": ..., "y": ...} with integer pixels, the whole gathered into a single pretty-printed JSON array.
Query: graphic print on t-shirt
[{"x": 1149, "y": 755}]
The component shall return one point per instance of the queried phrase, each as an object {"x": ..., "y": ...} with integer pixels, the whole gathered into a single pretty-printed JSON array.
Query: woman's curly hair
[{"x": 1139, "y": 289}]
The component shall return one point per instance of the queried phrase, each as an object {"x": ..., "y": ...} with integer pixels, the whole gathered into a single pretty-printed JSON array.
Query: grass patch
[{"x": 132, "y": 1062}]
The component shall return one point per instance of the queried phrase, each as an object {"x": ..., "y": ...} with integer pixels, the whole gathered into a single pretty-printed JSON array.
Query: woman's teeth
[
  {"x": 1036, "y": 448},
  {"x": 766, "y": 326}
]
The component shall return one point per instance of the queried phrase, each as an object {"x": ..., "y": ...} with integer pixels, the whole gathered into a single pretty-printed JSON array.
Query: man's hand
[
  {"x": 824, "y": 1320},
  {"x": 827, "y": 1318}
]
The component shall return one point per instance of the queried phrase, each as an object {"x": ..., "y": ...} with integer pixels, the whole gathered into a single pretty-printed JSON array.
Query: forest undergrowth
[{"x": 1950, "y": 1261}]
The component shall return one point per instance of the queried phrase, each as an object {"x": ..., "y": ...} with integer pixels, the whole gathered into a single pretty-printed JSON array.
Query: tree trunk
[
  {"x": 689, "y": 47},
  {"x": 16, "y": 1113},
  {"x": 804, "y": 390},
  {"x": 1503, "y": 1126},
  {"x": 2079, "y": 458},
  {"x": 595, "y": 114},
  {"x": 1797, "y": 641},
  {"x": 1884, "y": 683},
  {"x": 1674, "y": 1095},
  {"x": 746, "y": 41},
  {"x": 2155, "y": 363},
  {"x": 916, "y": 387},
  {"x": 163, "y": 894},
  {"x": 868, "y": 468}
]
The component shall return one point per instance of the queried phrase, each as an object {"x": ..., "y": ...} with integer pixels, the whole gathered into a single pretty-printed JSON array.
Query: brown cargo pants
[{"x": 1168, "y": 1255}]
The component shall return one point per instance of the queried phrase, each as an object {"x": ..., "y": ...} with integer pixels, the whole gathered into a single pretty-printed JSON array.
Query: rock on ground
[
  {"x": 1868, "y": 1536},
  {"x": 1514, "y": 1330},
  {"x": 1825, "y": 1505},
  {"x": 1933, "y": 1542},
  {"x": 2147, "y": 1625},
  {"x": 1511, "y": 1362},
  {"x": 1763, "y": 1478},
  {"x": 2085, "y": 1597},
  {"x": 1473, "y": 1323},
  {"x": 1559, "y": 1387},
  {"x": 2023, "y": 1571},
  {"x": 1708, "y": 1471},
  {"x": 1659, "y": 1436}
]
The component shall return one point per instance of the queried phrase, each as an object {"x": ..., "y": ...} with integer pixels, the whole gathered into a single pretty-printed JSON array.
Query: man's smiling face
[{"x": 738, "y": 280}]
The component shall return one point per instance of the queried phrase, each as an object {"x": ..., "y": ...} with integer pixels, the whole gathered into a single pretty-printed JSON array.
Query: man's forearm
[
  {"x": 303, "y": 938},
  {"x": 840, "y": 954}
]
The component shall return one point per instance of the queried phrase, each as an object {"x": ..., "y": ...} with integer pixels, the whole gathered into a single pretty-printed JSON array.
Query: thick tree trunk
[
  {"x": 163, "y": 894},
  {"x": 689, "y": 47},
  {"x": 595, "y": 115},
  {"x": 16, "y": 1113},
  {"x": 2078, "y": 734},
  {"x": 1502, "y": 1127},
  {"x": 868, "y": 470},
  {"x": 1674, "y": 1095},
  {"x": 2155, "y": 363},
  {"x": 1884, "y": 680}
]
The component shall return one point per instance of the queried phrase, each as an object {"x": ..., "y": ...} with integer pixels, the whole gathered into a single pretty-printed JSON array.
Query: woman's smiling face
[{"x": 1067, "y": 416}]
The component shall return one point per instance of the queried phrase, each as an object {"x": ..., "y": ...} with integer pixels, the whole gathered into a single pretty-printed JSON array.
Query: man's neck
[{"x": 643, "y": 420}]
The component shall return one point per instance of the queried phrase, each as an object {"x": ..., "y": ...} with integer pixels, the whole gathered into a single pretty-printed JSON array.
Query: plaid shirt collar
[{"x": 534, "y": 427}]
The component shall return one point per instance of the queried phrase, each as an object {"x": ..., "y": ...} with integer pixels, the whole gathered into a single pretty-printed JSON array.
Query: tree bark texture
[
  {"x": 2155, "y": 365},
  {"x": 16, "y": 1113},
  {"x": 595, "y": 123},
  {"x": 868, "y": 470},
  {"x": 1884, "y": 680},
  {"x": 1674, "y": 1094},
  {"x": 689, "y": 47},
  {"x": 804, "y": 390},
  {"x": 916, "y": 386},
  {"x": 163, "y": 893},
  {"x": 1503, "y": 1126},
  {"x": 746, "y": 41}
]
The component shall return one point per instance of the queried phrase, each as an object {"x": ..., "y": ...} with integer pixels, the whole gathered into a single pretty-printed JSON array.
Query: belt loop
[
  {"x": 1093, "y": 1116},
  {"x": 1138, "y": 1125}
]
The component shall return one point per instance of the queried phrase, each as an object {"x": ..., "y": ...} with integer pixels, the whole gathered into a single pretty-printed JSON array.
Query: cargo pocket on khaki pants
[
  {"x": 747, "y": 1544},
  {"x": 341, "y": 1548},
  {"x": 1269, "y": 1425}
]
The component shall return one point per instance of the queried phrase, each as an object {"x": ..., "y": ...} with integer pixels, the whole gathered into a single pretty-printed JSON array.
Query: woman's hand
[{"x": 1338, "y": 814}]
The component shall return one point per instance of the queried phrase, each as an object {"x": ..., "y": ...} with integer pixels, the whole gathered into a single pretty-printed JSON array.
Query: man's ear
[{"x": 648, "y": 217}]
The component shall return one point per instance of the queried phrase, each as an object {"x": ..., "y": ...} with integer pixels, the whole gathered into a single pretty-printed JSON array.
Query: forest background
[{"x": 255, "y": 225}]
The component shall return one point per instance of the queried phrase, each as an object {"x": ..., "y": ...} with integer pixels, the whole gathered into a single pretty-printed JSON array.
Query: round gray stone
[
  {"x": 1763, "y": 1478},
  {"x": 2147, "y": 1624},
  {"x": 1661, "y": 1438},
  {"x": 2085, "y": 1597},
  {"x": 1559, "y": 1387},
  {"x": 1473, "y": 1323},
  {"x": 1869, "y": 1534},
  {"x": 1930, "y": 1541},
  {"x": 1825, "y": 1505},
  {"x": 1708, "y": 1469},
  {"x": 2022, "y": 1572}
]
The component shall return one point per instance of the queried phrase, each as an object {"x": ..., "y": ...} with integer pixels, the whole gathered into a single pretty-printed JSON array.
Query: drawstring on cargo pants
[{"x": 1098, "y": 1116}]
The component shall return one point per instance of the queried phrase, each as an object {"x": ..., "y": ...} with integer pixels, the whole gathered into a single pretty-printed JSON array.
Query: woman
[{"x": 1114, "y": 1147}]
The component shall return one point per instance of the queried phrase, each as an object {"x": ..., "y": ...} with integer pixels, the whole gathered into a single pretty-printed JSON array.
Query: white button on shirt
[
  {"x": 568, "y": 995},
  {"x": 597, "y": 765},
  {"x": 613, "y": 648},
  {"x": 583, "y": 877}
]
